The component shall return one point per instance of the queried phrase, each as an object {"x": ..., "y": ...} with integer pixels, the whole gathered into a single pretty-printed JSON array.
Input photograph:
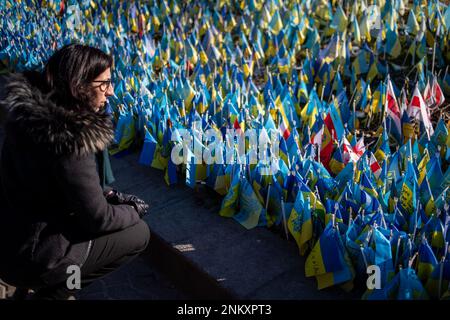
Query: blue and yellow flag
[
  {"x": 439, "y": 279},
  {"x": 230, "y": 202},
  {"x": 328, "y": 260},
  {"x": 426, "y": 261},
  {"x": 252, "y": 213},
  {"x": 300, "y": 222}
]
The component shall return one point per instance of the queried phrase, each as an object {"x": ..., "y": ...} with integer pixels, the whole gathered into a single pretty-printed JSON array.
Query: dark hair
[{"x": 69, "y": 71}]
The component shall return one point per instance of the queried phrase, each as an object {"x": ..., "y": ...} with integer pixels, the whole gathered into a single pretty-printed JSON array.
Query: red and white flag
[
  {"x": 403, "y": 102},
  {"x": 349, "y": 154},
  {"x": 414, "y": 105},
  {"x": 236, "y": 124},
  {"x": 318, "y": 137},
  {"x": 374, "y": 166},
  {"x": 418, "y": 110},
  {"x": 437, "y": 93},
  {"x": 284, "y": 130},
  {"x": 359, "y": 147},
  {"x": 427, "y": 95},
  {"x": 392, "y": 108}
]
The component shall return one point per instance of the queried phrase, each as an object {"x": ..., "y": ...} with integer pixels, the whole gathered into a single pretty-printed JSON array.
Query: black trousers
[{"x": 107, "y": 254}]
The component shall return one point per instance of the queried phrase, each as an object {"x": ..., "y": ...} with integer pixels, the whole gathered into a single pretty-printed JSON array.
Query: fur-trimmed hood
[{"x": 55, "y": 128}]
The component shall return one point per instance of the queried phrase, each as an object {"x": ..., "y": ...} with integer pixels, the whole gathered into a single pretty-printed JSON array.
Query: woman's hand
[{"x": 117, "y": 197}]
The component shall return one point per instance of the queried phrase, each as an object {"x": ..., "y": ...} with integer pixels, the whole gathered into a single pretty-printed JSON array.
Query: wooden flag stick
[
  {"x": 434, "y": 48},
  {"x": 415, "y": 222},
  {"x": 284, "y": 219},
  {"x": 441, "y": 270},
  {"x": 318, "y": 153},
  {"x": 361, "y": 247},
  {"x": 353, "y": 94},
  {"x": 411, "y": 260},
  {"x": 354, "y": 115},
  {"x": 350, "y": 218},
  {"x": 268, "y": 194},
  {"x": 399, "y": 240}
]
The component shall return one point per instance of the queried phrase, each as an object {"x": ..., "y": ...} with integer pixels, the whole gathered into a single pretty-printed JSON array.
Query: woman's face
[{"x": 103, "y": 89}]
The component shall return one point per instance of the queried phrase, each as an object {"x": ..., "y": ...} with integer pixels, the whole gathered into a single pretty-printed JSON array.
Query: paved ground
[
  {"x": 138, "y": 280},
  {"x": 247, "y": 264}
]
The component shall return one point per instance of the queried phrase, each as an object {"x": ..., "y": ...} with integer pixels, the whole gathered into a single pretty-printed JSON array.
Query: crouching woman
[{"x": 54, "y": 215}]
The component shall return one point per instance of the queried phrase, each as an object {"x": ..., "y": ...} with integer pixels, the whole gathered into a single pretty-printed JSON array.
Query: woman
[{"x": 54, "y": 213}]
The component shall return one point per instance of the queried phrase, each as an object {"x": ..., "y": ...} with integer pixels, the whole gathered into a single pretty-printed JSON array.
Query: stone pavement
[
  {"x": 138, "y": 280},
  {"x": 223, "y": 259}
]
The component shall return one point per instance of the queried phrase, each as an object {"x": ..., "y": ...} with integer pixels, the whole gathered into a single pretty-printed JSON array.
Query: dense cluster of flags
[{"x": 356, "y": 89}]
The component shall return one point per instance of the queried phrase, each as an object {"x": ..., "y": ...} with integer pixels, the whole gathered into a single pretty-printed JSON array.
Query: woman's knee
[{"x": 141, "y": 234}]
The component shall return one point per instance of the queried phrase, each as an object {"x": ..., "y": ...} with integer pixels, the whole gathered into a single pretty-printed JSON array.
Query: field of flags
[{"x": 359, "y": 91}]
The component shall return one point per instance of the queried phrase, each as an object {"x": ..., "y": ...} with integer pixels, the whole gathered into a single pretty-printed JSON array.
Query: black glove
[{"x": 116, "y": 197}]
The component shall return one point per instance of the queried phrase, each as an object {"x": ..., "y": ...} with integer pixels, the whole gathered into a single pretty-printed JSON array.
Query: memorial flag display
[{"x": 350, "y": 101}]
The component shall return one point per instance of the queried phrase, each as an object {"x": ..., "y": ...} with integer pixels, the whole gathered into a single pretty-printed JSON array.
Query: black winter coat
[{"x": 51, "y": 201}]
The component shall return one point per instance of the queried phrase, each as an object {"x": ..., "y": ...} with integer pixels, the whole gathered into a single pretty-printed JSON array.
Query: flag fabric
[
  {"x": 374, "y": 166},
  {"x": 426, "y": 261},
  {"x": 392, "y": 108},
  {"x": 328, "y": 260},
  {"x": 300, "y": 222},
  {"x": 349, "y": 152},
  {"x": 417, "y": 109},
  {"x": 437, "y": 93},
  {"x": 251, "y": 213},
  {"x": 337, "y": 163},
  {"x": 439, "y": 279},
  {"x": 148, "y": 150},
  {"x": 230, "y": 202},
  {"x": 410, "y": 287}
]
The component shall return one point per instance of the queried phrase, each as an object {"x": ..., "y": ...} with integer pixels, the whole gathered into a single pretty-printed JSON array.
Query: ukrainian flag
[
  {"x": 426, "y": 197},
  {"x": 336, "y": 163},
  {"x": 421, "y": 168},
  {"x": 426, "y": 261},
  {"x": 332, "y": 208},
  {"x": 151, "y": 153},
  {"x": 170, "y": 175},
  {"x": 230, "y": 202},
  {"x": 408, "y": 196},
  {"x": 201, "y": 102},
  {"x": 378, "y": 99},
  {"x": 309, "y": 112},
  {"x": 393, "y": 47},
  {"x": 434, "y": 174},
  {"x": 410, "y": 287},
  {"x": 284, "y": 152},
  {"x": 328, "y": 260},
  {"x": 125, "y": 131},
  {"x": 220, "y": 184},
  {"x": 412, "y": 24},
  {"x": 434, "y": 232},
  {"x": 252, "y": 213},
  {"x": 283, "y": 65},
  {"x": 275, "y": 212},
  {"x": 276, "y": 24},
  {"x": 300, "y": 222},
  {"x": 324, "y": 257},
  {"x": 340, "y": 20},
  {"x": 365, "y": 28},
  {"x": 432, "y": 284}
]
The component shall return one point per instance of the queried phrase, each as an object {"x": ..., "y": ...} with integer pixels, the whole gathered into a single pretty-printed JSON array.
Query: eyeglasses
[{"x": 104, "y": 84}]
